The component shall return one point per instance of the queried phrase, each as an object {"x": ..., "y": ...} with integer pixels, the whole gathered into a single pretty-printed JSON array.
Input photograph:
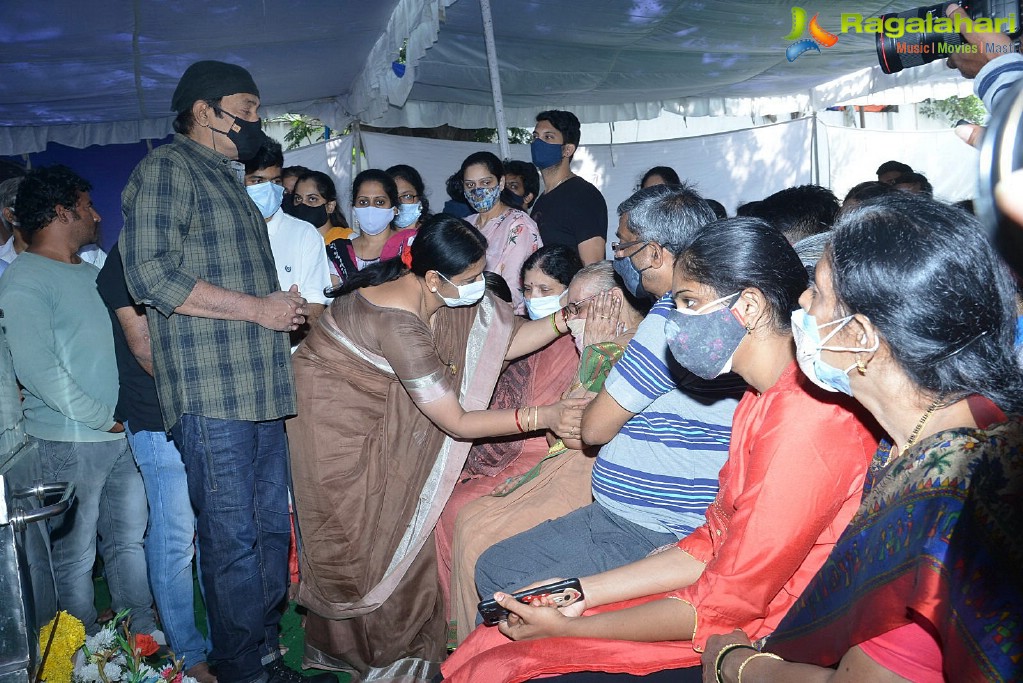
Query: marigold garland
[{"x": 69, "y": 637}]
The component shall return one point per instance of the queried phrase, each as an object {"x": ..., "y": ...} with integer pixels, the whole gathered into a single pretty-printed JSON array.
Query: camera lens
[{"x": 912, "y": 49}]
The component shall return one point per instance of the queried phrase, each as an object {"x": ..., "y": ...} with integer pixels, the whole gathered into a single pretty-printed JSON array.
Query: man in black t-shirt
[
  {"x": 571, "y": 211},
  {"x": 168, "y": 545}
]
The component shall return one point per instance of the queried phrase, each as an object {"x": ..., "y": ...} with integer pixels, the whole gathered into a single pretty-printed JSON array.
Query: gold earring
[
  {"x": 749, "y": 328},
  {"x": 861, "y": 367}
]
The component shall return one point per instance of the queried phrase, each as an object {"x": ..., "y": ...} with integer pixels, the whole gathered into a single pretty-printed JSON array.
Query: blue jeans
[
  {"x": 587, "y": 541},
  {"x": 237, "y": 479},
  {"x": 170, "y": 542},
  {"x": 110, "y": 505}
]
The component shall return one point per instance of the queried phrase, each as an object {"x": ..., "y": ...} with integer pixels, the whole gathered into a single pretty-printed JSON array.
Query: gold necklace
[{"x": 913, "y": 435}]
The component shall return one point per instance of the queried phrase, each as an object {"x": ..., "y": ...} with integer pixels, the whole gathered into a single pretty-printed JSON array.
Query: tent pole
[
  {"x": 495, "y": 79},
  {"x": 815, "y": 150}
]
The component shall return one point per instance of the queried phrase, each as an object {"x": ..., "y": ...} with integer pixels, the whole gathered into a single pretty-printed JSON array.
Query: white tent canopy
[{"x": 83, "y": 73}]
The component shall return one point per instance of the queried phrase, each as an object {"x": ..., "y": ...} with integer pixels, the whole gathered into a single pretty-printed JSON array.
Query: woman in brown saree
[{"x": 393, "y": 386}]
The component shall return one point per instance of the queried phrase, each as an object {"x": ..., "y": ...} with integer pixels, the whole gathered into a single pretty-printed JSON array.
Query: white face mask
[
  {"x": 373, "y": 220},
  {"x": 577, "y": 327},
  {"x": 468, "y": 295},
  {"x": 542, "y": 306},
  {"x": 267, "y": 197}
]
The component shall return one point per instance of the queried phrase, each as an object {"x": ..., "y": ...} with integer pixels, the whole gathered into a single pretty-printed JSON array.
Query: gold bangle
[
  {"x": 722, "y": 653},
  {"x": 750, "y": 659},
  {"x": 536, "y": 418},
  {"x": 554, "y": 323}
]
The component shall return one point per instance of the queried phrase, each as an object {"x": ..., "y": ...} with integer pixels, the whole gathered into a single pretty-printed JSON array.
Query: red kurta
[{"x": 792, "y": 482}]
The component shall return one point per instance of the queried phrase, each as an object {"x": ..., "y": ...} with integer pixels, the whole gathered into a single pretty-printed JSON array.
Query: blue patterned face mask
[
  {"x": 482, "y": 199},
  {"x": 704, "y": 343},
  {"x": 809, "y": 345}
]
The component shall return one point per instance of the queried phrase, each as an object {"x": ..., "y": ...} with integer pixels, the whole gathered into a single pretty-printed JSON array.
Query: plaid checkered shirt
[{"x": 187, "y": 216}]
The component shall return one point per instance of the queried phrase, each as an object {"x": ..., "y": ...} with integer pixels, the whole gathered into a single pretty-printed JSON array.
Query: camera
[
  {"x": 1001, "y": 154},
  {"x": 921, "y": 35}
]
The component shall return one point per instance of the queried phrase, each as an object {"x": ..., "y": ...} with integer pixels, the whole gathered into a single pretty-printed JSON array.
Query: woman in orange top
[{"x": 795, "y": 471}]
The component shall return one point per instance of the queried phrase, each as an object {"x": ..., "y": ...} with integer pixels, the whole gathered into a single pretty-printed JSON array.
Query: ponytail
[{"x": 370, "y": 276}]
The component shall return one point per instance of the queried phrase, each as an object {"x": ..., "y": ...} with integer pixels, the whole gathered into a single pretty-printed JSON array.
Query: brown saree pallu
[{"x": 372, "y": 474}]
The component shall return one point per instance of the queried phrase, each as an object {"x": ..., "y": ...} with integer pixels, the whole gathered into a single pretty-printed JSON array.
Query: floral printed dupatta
[{"x": 938, "y": 535}]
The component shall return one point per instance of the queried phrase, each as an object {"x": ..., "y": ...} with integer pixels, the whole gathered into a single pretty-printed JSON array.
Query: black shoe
[{"x": 280, "y": 672}]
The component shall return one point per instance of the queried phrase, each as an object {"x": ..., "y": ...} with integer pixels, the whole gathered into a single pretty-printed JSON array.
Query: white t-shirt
[
  {"x": 300, "y": 256},
  {"x": 91, "y": 253},
  {"x": 7, "y": 253}
]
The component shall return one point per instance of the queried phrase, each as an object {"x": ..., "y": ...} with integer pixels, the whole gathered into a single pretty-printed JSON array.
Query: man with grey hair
[
  {"x": 664, "y": 433},
  {"x": 654, "y": 226}
]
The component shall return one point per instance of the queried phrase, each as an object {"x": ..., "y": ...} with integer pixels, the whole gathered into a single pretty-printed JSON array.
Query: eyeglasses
[
  {"x": 408, "y": 198},
  {"x": 619, "y": 246},
  {"x": 484, "y": 183},
  {"x": 574, "y": 308}
]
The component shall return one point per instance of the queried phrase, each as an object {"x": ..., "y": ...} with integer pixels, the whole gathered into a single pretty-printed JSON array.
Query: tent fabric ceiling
[
  {"x": 103, "y": 72},
  {"x": 610, "y": 60},
  {"x": 99, "y": 73}
]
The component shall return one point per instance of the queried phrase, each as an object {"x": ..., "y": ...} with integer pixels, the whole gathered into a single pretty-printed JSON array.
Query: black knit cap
[{"x": 210, "y": 80}]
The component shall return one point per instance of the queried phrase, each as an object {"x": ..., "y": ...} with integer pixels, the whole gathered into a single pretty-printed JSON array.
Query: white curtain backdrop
[
  {"x": 730, "y": 167},
  {"x": 852, "y": 155},
  {"x": 333, "y": 157}
]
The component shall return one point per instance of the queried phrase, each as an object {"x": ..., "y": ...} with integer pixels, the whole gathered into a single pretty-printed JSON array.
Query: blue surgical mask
[
  {"x": 268, "y": 197},
  {"x": 809, "y": 345},
  {"x": 542, "y": 306},
  {"x": 544, "y": 154},
  {"x": 482, "y": 199},
  {"x": 704, "y": 343},
  {"x": 632, "y": 277},
  {"x": 468, "y": 295},
  {"x": 408, "y": 214}
]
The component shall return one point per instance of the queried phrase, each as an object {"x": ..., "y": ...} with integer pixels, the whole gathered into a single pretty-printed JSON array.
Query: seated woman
[
  {"x": 392, "y": 387},
  {"x": 795, "y": 470},
  {"x": 511, "y": 234},
  {"x": 374, "y": 206},
  {"x": 551, "y": 477},
  {"x": 539, "y": 378},
  {"x": 925, "y": 582},
  {"x": 545, "y": 277}
]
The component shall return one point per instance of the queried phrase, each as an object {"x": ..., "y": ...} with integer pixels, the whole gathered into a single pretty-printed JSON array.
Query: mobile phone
[{"x": 563, "y": 593}]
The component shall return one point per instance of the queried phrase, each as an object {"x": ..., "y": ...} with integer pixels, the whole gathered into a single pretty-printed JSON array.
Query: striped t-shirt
[{"x": 661, "y": 470}]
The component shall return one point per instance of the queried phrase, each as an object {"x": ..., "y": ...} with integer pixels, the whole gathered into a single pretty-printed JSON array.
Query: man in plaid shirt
[{"x": 196, "y": 254}]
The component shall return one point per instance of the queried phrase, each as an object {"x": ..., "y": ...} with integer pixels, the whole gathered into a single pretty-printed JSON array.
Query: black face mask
[
  {"x": 317, "y": 215},
  {"x": 247, "y": 136}
]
